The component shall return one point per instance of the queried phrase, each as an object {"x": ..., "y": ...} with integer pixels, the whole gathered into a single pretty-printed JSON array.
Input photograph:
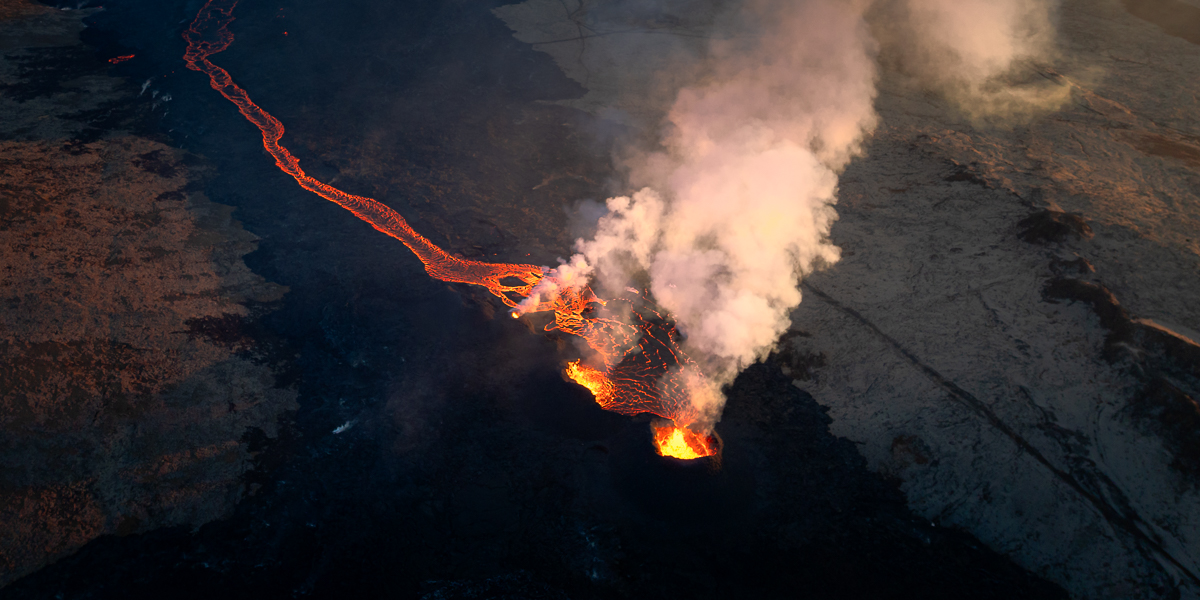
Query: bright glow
[
  {"x": 683, "y": 443},
  {"x": 644, "y": 369}
]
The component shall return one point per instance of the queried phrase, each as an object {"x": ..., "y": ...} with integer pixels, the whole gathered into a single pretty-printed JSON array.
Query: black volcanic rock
[
  {"x": 1167, "y": 363},
  {"x": 436, "y": 452},
  {"x": 1174, "y": 415},
  {"x": 113, "y": 419},
  {"x": 1051, "y": 226}
]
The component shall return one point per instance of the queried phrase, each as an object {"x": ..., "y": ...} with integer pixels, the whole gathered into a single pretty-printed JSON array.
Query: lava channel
[{"x": 640, "y": 369}]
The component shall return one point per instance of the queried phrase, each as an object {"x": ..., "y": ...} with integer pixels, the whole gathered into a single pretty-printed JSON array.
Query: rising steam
[
  {"x": 971, "y": 52},
  {"x": 735, "y": 203}
]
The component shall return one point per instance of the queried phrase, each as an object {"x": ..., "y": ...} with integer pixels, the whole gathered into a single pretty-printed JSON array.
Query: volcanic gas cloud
[
  {"x": 697, "y": 270},
  {"x": 736, "y": 203},
  {"x": 966, "y": 50}
]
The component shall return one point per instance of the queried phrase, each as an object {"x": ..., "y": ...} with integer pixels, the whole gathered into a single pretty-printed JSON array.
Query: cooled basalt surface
[
  {"x": 1021, "y": 299},
  {"x": 967, "y": 424},
  {"x": 1011, "y": 332},
  {"x": 121, "y": 410}
]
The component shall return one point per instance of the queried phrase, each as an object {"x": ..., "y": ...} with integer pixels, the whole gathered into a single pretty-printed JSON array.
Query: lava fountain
[{"x": 639, "y": 366}]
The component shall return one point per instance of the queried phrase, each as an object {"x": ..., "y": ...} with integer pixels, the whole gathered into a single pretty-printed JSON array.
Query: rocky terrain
[
  {"x": 1011, "y": 330},
  {"x": 218, "y": 385},
  {"x": 128, "y": 389}
]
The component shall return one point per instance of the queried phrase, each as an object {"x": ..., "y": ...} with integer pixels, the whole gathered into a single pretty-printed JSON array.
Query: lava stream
[
  {"x": 438, "y": 263},
  {"x": 644, "y": 369},
  {"x": 681, "y": 442}
]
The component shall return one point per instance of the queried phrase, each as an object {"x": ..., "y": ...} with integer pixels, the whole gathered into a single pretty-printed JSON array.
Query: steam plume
[
  {"x": 969, "y": 50},
  {"x": 737, "y": 201}
]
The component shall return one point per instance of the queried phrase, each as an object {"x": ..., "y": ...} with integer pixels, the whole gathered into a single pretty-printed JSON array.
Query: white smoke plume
[
  {"x": 971, "y": 51},
  {"x": 737, "y": 201}
]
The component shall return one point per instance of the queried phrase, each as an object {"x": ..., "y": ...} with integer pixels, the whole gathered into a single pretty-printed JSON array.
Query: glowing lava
[
  {"x": 438, "y": 263},
  {"x": 645, "y": 371},
  {"x": 681, "y": 442},
  {"x": 594, "y": 380}
]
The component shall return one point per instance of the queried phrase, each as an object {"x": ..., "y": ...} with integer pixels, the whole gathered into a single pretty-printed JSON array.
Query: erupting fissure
[{"x": 643, "y": 368}]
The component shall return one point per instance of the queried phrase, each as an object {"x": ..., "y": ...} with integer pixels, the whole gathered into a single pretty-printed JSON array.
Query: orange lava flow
[
  {"x": 681, "y": 442},
  {"x": 645, "y": 371},
  {"x": 120, "y": 59},
  {"x": 214, "y": 19},
  {"x": 595, "y": 381}
]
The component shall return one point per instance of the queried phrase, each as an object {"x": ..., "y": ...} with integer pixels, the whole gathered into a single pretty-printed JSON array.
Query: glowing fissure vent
[
  {"x": 681, "y": 442},
  {"x": 644, "y": 367}
]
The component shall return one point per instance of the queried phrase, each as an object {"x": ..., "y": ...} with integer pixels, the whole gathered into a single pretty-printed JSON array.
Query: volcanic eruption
[
  {"x": 734, "y": 204},
  {"x": 733, "y": 199},
  {"x": 733, "y": 194},
  {"x": 641, "y": 366}
]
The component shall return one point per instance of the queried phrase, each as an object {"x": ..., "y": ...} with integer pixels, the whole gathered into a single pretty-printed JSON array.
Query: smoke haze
[
  {"x": 967, "y": 50},
  {"x": 735, "y": 200}
]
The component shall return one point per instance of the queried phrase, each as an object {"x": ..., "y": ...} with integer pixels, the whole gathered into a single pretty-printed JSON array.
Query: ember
[
  {"x": 680, "y": 442},
  {"x": 645, "y": 370}
]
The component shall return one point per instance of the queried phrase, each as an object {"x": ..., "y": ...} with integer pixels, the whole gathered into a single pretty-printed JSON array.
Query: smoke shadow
[{"x": 1175, "y": 18}]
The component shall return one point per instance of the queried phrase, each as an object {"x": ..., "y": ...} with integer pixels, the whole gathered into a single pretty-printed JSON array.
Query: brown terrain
[{"x": 126, "y": 391}]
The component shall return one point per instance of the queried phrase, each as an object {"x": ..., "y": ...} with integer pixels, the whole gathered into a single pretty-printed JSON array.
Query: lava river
[{"x": 638, "y": 365}]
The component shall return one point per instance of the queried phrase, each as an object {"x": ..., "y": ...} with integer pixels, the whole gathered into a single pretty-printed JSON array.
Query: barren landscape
[{"x": 215, "y": 382}]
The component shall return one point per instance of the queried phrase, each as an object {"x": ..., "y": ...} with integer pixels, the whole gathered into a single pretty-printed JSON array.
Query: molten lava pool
[{"x": 683, "y": 443}]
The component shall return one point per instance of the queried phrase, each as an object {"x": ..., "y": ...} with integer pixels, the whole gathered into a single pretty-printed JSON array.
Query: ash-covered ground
[{"x": 217, "y": 384}]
